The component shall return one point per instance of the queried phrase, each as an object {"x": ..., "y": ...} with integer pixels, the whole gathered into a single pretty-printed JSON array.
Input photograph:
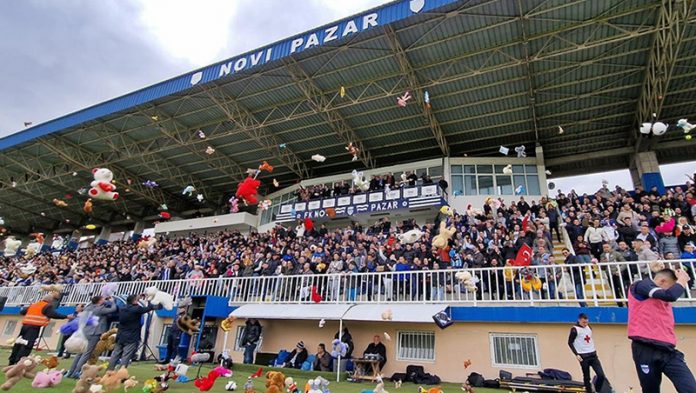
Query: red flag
[
  {"x": 525, "y": 223},
  {"x": 524, "y": 256},
  {"x": 316, "y": 297},
  {"x": 308, "y": 225}
]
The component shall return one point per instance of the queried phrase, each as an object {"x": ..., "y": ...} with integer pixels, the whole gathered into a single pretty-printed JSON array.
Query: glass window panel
[
  {"x": 518, "y": 169},
  {"x": 435, "y": 171},
  {"x": 533, "y": 185},
  {"x": 499, "y": 169},
  {"x": 484, "y": 168},
  {"x": 457, "y": 169},
  {"x": 470, "y": 185},
  {"x": 470, "y": 169},
  {"x": 420, "y": 172},
  {"x": 519, "y": 181},
  {"x": 485, "y": 184},
  {"x": 531, "y": 168},
  {"x": 504, "y": 185},
  {"x": 458, "y": 184}
]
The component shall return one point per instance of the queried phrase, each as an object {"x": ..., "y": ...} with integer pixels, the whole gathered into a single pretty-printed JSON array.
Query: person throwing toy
[{"x": 651, "y": 328}]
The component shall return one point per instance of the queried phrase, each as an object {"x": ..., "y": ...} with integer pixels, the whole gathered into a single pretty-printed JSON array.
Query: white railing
[{"x": 590, "y": 284}]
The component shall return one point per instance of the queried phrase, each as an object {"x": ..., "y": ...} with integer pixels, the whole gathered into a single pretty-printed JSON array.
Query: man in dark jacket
[
  {"x": 36, "y": 316},
  {"x": 377, "y": 348},
  {"x": 250, "y": 338},
  {"x": 297, "y": 356},
  {"x": 173, "y": 338},
  {"x": 129, "y": 326}
]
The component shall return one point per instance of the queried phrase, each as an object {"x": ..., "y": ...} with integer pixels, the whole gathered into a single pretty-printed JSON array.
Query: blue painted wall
[{"x": 597, "y": 315}]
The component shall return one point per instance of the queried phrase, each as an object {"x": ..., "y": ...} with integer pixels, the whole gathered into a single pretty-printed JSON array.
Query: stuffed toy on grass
[
  {"x": 275, "y": 382},
  {"x": 47, "y": 379},
  {"x": 248, "y": 190},
  {"x": 23, "y": 369},
  {"x": 103, "y": 187},
  {"x": 112, "y": 380},
  {"x": 206, "y": 383},
  {"x": 155, "y": 296}
]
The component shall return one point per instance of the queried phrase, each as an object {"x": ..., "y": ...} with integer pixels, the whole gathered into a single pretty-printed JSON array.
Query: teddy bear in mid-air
[{"x": 103, "y": 187}]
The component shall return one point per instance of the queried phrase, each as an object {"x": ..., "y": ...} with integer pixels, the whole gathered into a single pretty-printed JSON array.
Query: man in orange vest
[{"x": 36, "y": 316}]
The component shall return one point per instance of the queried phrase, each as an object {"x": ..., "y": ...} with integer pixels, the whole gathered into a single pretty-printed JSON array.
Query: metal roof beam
[
  {"x": 159, "y": 165},
  {"x": 322, "y": 106},
  {"x": 86, "y": 160},
  {"x": 531, "y": 89},
  {"x": 415, "y": 86},
  {"x": 248, "y": 124},
  {"x": 669, "y": 31},
  {"x": 182, "y": 134}
]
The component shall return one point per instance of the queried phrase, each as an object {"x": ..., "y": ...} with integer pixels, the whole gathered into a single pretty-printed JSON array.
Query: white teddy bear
[
  {"x": 411, "y": 236},
  {"x": 467, "y": 280},
  {"x": 103, "y": 187},
  {"x": 11, "y": 246},
  {"x": 33, "y": 249},
  {"x": 359, "y": 181},
  {"x": 155, "y": 296}
]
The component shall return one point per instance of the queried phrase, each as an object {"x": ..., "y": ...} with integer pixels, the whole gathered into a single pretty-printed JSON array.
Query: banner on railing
[{"x": 365, "y": 203}]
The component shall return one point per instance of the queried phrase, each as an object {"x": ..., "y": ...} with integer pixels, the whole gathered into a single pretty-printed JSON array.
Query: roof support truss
[
  {"x": 322, "y": 105},
  {"x": 245, "y": 120},
  {"x": 415, "y": 86},
  {"x": 671, "y": 22}
]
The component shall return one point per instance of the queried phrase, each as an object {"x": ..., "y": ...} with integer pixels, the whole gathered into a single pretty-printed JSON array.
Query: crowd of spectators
[
  {"x": 376, "y": 183},
  {"x": 609, "y": 226}
]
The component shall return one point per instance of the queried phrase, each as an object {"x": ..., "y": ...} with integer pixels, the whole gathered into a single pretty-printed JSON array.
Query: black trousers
[
  {"x": 652, "y": 361},
  {"x": 29, "y": 333},
  {"x": 172, "y": 346},
  {"x": 591, "y": 361}
]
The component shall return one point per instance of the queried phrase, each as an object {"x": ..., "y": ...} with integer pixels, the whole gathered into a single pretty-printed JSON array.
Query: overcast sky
[{"x": 62, "y": 56}]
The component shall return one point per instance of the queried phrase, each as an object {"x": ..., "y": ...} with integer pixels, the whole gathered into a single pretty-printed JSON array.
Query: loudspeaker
[{"x": 442, "y": 320}]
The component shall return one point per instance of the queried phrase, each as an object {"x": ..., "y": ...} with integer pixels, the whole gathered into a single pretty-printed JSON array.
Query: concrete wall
[
  {"x": 240, "y": 221},
  {"x": 471, "y": 341}
]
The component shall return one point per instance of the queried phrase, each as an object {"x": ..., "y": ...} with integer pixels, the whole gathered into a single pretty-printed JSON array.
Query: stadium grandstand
[{"x": 403, "y": 156}]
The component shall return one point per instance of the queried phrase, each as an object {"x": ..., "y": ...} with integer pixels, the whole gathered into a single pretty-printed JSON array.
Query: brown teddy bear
[
  {"x": 113, "y": 379},
  {"x": 88, "y": 376},
  {"x": 188, "y": 324},
  {"x": 23, "y": 369},
  {"x": 440, "y": 241},
  {"x": 275, "y": 382},
  {"x": 106, "y": 342}
]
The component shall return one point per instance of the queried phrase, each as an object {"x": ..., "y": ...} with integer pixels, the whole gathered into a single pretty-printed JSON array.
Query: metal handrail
[{"x": 591, "y": 284}]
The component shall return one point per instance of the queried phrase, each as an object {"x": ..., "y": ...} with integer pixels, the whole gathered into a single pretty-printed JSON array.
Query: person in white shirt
[
  {"x": 581, "y": 343},
  {"x": 595, "y": 236}
]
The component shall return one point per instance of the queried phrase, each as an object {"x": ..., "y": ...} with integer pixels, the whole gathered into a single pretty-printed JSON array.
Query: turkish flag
[{"x": 524, "y": 256}]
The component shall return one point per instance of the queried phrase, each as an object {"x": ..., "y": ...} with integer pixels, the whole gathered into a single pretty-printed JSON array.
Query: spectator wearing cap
[
  {"x": 686, "y": 235},
  {"x": 297, "y": 356}
]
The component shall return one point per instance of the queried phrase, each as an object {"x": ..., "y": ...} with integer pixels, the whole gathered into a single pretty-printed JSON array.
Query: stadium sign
[
  {"x": 372, "y": 202},
  {"x": 381, "y": 16}
]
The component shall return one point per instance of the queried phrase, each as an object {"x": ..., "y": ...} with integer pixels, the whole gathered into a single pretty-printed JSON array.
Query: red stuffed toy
[
  {"x": 248, "y": 190},
  {"x": 316, "y": 297},
  {"x": 204, "y": 384}
]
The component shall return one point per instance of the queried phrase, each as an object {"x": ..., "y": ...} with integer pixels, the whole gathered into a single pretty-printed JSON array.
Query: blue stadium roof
[{"x": 497, "y": 72}]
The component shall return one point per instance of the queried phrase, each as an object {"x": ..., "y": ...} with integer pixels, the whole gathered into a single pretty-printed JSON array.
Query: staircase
[{"x": 596, "y": 286}]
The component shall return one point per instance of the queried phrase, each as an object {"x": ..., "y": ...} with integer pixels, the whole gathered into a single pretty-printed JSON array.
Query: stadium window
[
  {"x": 499, "y": 169},
  {"x": 470, "y": 169},
  {"x": 458, "y": 184},
  {"x": 456, "y": 169},
  {"x": 416, "y": 346},
  {"x": 422, "y": 171},
  {"x": 533, "y": 185},
  {"x": 530, "y": 168},
  {"x": 503, "y": 185},
  {"x": 165, "y": 333},
  {"x": 435, "y": 172},
  {"x": 470, "y": 187},
  {"x": 519, "y": 181},
  {"x": 10, "y": 327},
  {"x": 518, "y": 169},
  {"x": 485, "y": 185},
  {"x": 238, "y": 339},
  {"x": 484, "y": 169},
  {"x": 514, "y": 350}
]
